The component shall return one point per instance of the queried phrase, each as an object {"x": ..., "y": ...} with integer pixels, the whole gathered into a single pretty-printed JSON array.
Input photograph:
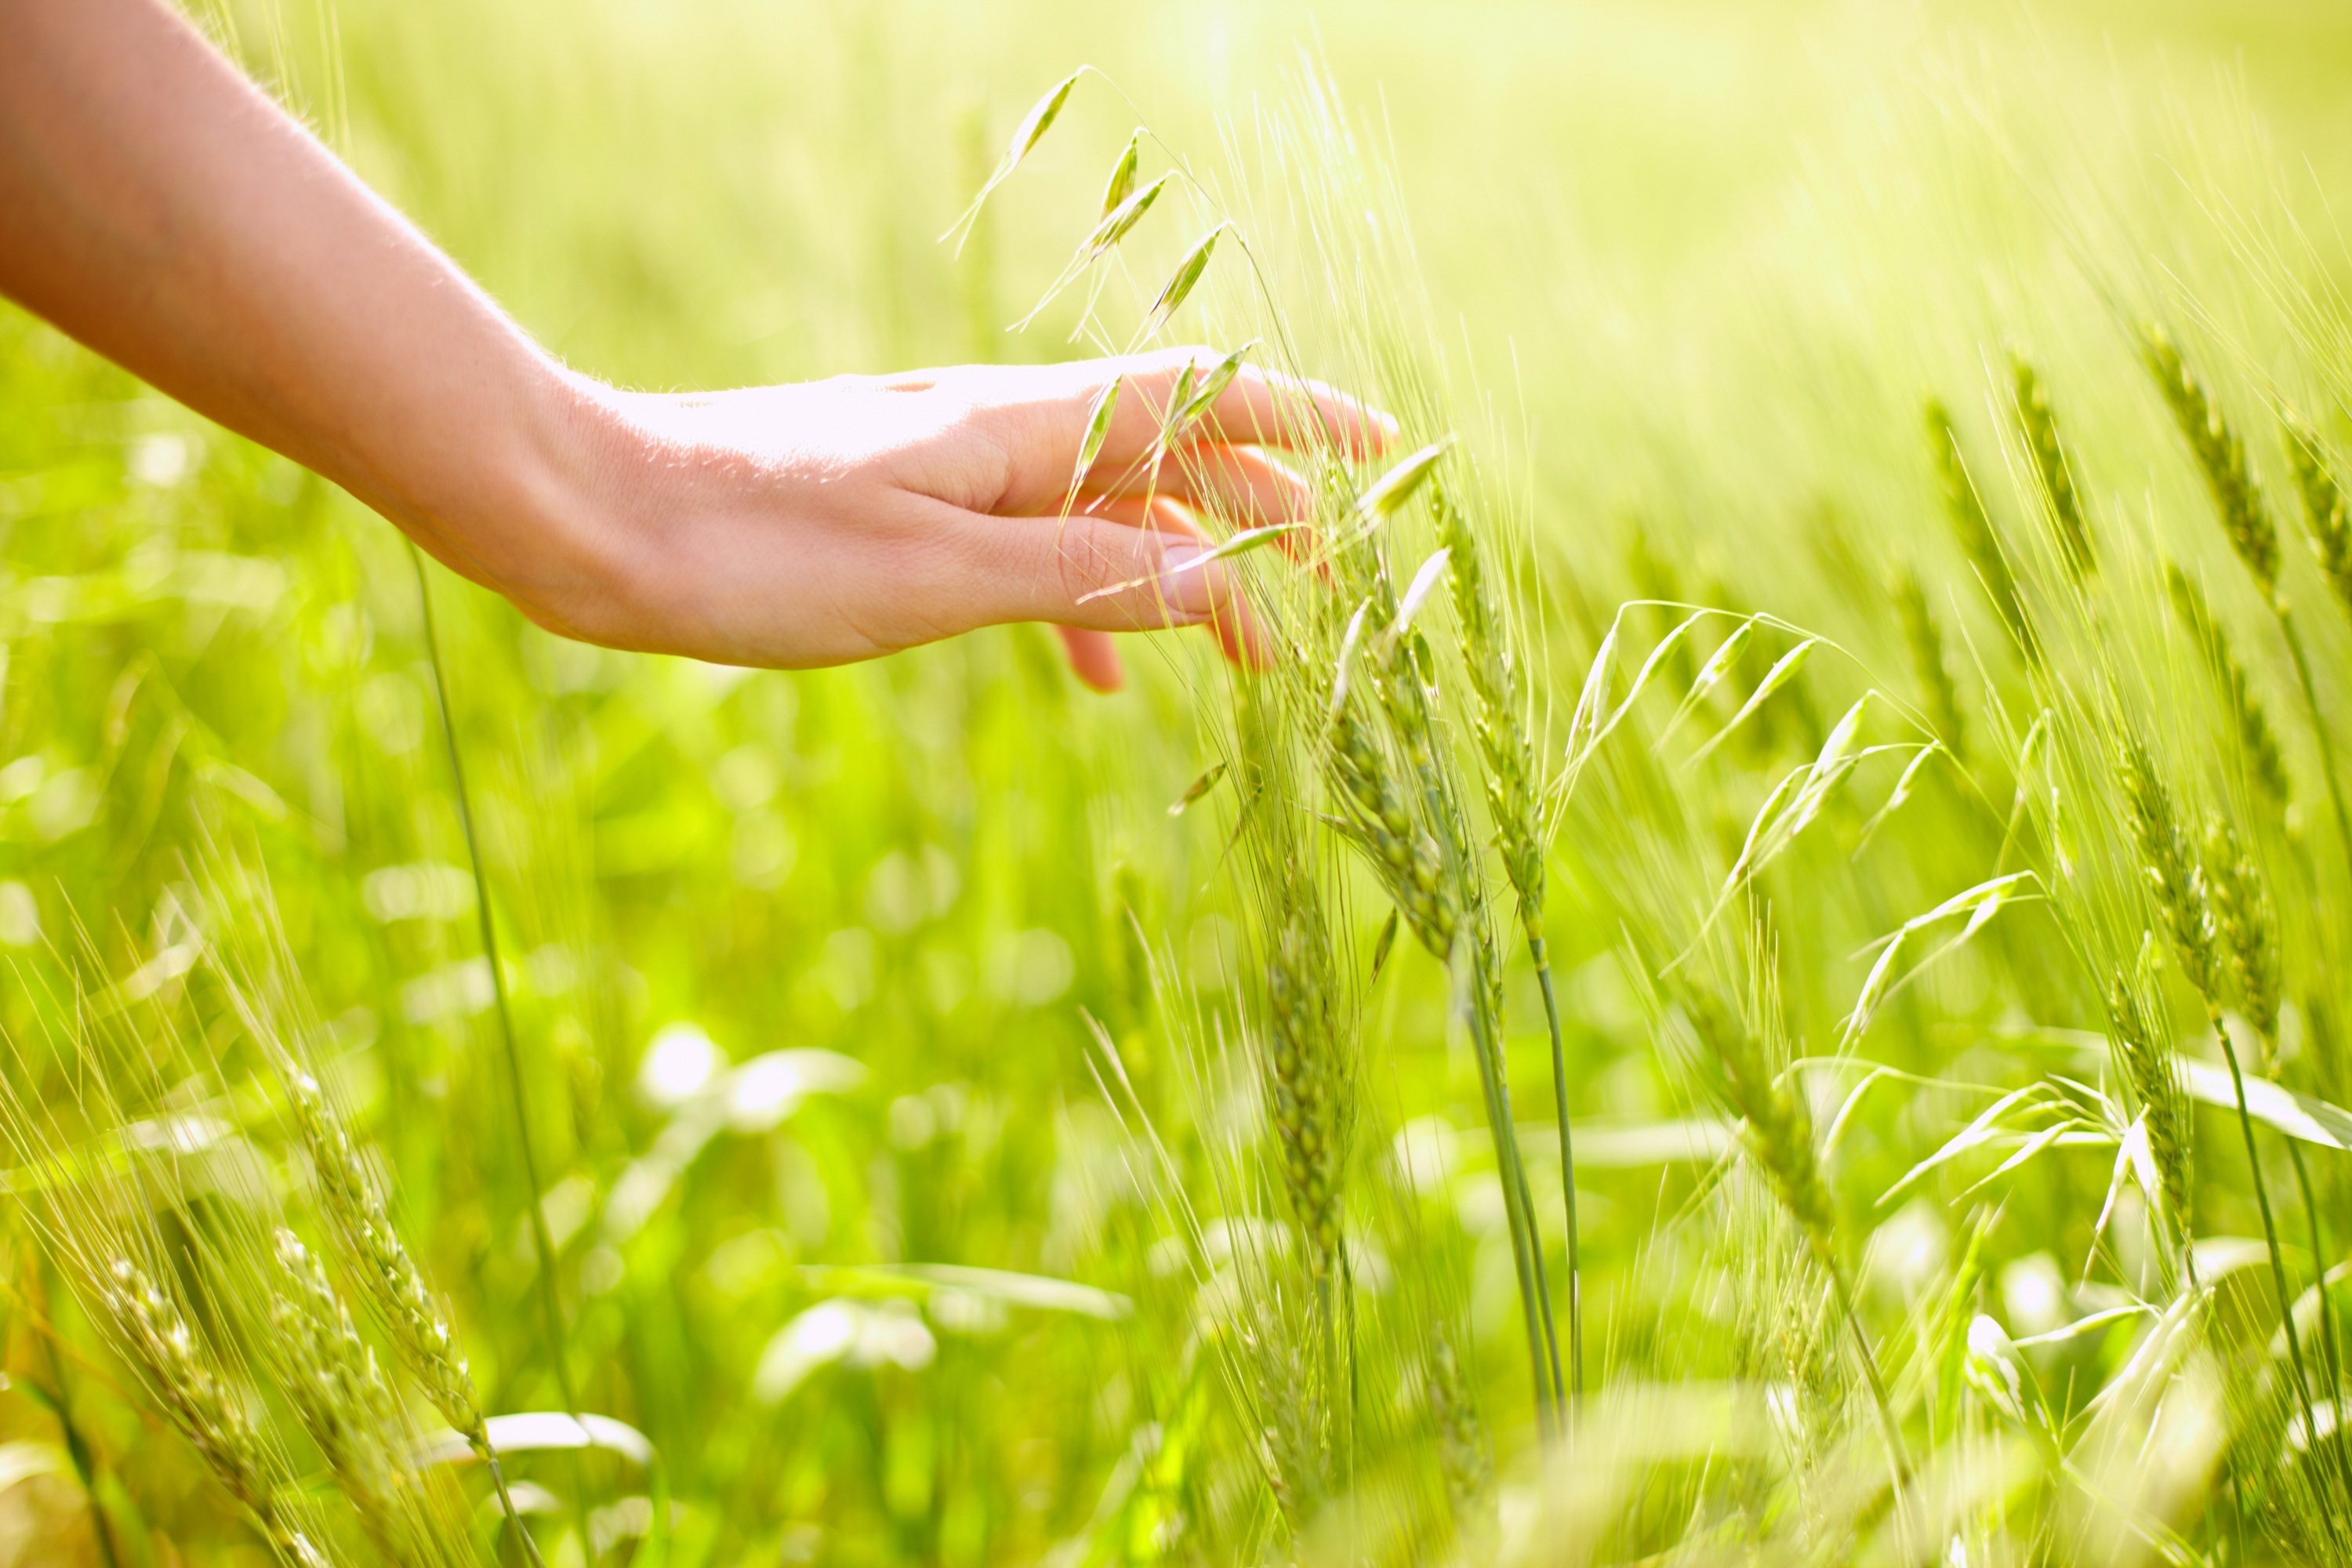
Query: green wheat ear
[
  {"x": 1972, "y": 527},
  {"x": 2324, "y": 507},
  {"x": 2039, "y": 425},
  {"x": 2221, "y": 459}
]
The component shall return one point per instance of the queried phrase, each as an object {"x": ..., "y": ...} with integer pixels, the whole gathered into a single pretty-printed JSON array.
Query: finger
[
  {"x": 1242, "y": 485},
  {"x": 1104, "y": 574},
  {"x": 1267, "y": 408},
  {"x": 1094, "y": 657},
  {"x": 1242, "y": 635},
  {"x": 1259, "y": 407},
  {"x": 1042, "y": 431}
]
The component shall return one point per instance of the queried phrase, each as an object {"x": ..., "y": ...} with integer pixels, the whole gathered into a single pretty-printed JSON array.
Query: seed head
[
  {"x": 1973, "y": 528},
  {"x": 2221, "y": 456},
  {"x": 2265, "y": 767},
  {"x": 2040, "y": 427},
  {"x": 1779, "y": 1128},
  {"x": 1923, "y": 640},
  {"x": 2171, "y": 867},
  {"x": 1464, "y": 1455},
  {"x": 155, "y": 1336},
  {"x": 413, "y": 1316},
  {"x": 2249, "y": 926},
  {"x": 2324, "y": 507},
  {"x": 2146, "y": 1066},
  {"x": 1513, "y": 798}
]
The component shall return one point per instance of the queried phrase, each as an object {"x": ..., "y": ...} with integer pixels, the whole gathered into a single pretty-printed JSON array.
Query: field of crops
[{"x": 1842, "y": 685}]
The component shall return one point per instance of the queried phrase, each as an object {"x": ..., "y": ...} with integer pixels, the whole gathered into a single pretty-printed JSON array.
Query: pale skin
[{"x": 160, "y": 208}]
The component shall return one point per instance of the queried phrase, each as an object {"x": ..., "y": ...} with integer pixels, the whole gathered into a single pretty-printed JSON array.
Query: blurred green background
[{"x": 926, "y": 866}]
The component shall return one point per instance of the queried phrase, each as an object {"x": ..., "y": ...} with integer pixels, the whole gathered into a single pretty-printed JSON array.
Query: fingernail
[{"x": 1189, "y": 583}]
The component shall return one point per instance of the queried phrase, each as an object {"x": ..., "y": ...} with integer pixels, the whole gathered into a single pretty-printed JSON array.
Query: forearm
[{"x": 163, "y": 210}]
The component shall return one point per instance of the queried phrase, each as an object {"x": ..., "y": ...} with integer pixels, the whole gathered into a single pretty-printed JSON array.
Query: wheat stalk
[
  {"x": 2184, "y": 897},
  {"x": 1516, "y": 806}
]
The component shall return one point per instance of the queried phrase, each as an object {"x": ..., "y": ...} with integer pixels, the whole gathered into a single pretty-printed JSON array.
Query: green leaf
[{"x": 2297, "y": 1115}]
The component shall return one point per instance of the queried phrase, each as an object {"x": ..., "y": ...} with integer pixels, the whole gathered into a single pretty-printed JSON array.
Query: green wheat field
[{"x": 1765, "y": 978}]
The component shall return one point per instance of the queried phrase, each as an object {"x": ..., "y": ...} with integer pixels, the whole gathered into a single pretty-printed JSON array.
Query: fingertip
[{"x": 1094, "y": 658}]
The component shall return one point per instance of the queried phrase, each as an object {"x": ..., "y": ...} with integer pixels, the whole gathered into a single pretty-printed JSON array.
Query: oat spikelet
[
  {"x": 2039, "y": 426},
  {"x": 2220, "y": 457},
  {"x": 2266, "y": 766}
]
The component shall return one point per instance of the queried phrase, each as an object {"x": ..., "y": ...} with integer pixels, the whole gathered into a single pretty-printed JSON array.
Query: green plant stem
[
  {"x": 1527, "y": 1256},
  {"x": 1538, "y": 951},
  {"x": 2269, "y": 1229},
  {"x": 77, "y": 1451},
  {"x": 2330, "y": 1352},
  {"x": 480, "y": 1438},
  {"x": 543, "y": 1244},
  {"x": 2318, "y": 728},
  {"x": 1871, "y": 1376}
]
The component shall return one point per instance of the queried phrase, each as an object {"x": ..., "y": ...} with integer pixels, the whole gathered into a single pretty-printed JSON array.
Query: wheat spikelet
[
  {"x": 2324, "y": 507},
  {"x": 2147, "y": 1064},
  {"x": 411, "y": 1312},
  {"x": 2039, "y": 426},
  {"x": 2265, "y": 767},
  {"x": 1924, "y": 641},
  {"x": 1513, "y": 796},
  {"x": 2185, "y": 895},
  {"x": 2248, "y": 924},
  {"x": 1407, "y": 860},
  {"x": 1972, "y": 527},
  {"x": 2171, "y": 867},
  {"x": 152, "y": 1334},
  {"x": 1776, "y": 1128},
  {"x": 1464, "y": 1456},
  {"x": 1306, "y": 1070},
  {"x": 331, "y": 1375},
  {"x": 2220, "y": 457}
]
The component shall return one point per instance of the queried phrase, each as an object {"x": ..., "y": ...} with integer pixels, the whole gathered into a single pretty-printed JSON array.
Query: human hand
[{"x": 834, "y": 521}]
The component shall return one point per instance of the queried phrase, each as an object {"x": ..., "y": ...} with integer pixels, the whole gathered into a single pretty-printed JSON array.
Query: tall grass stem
[{"x": 543, "y": 1244}]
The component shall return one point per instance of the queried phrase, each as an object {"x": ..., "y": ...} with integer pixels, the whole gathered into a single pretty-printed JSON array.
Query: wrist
[{"x": 537, "y": 518}]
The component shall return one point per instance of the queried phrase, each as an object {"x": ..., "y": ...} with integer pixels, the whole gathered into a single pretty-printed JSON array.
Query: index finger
[{"x": 1269, "y": 408}]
